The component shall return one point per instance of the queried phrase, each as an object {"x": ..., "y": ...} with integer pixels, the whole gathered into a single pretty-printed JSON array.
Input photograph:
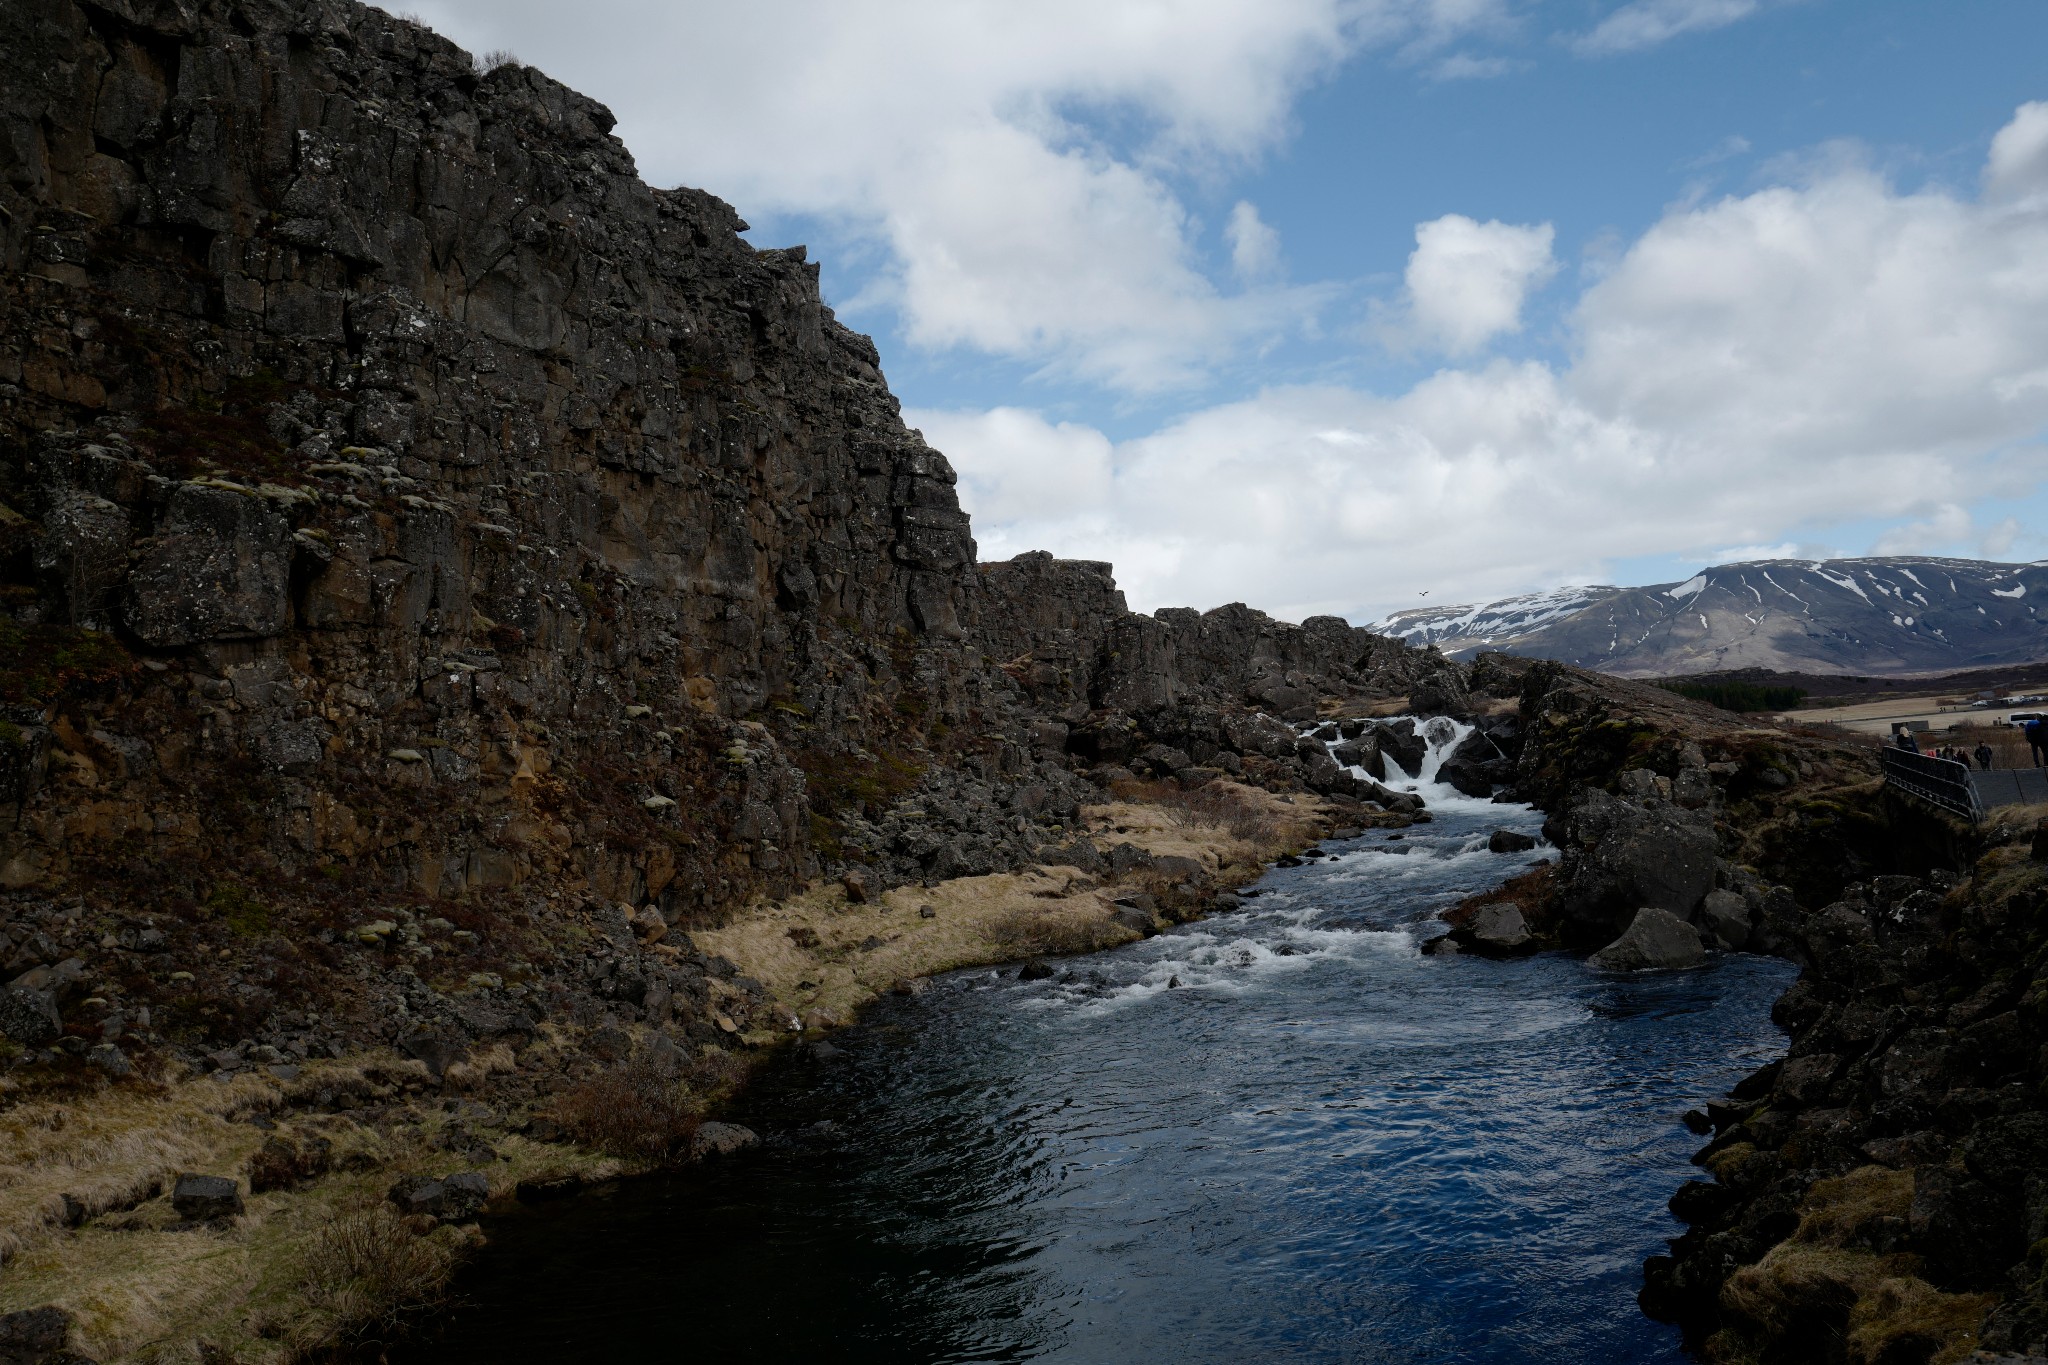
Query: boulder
[
  {"x": 1161, "y": 760},
  {"x": 1475, "y": 767},
  {"x": 436, "y": 1051},
  {"x": 1075, "y": 853},
  {"x": 1693, "y": 788},
  {"x": 1127, "y": 858},
  {"x": 1508, "y": 841},
  {"x": 420, "y": 1194},
  {"x": 722, "y": 1139},
  {"x": 1498, "y": 928},
  {"x": 857, "y": 884},
  {"x": 34, "y": 1336},
  {"x": 1724, "y": 918},
  {"x": 1639, "y": 783},
  {"x": 1397, "y": 741},
  {"x": 202, "y": 1198},
  {"x": 1656, "y": 940},
  {"x": 1361, "y": 752},
  {"x": 1034, "y": 971},
  {"x": 1621, "y": 855},
  {"x": 29, "y": 1016},
  {"x": 1137, "y": 920},
  {"x": 463, "y": 1196}
]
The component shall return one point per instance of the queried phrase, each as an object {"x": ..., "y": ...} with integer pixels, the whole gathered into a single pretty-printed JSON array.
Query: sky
[{"x": 1350, "y": 306}]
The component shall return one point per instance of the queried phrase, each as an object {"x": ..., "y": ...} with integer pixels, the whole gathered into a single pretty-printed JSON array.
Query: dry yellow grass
[
  {"x": 808, "y": 950},
  {"x": 141, "y": 1292}
]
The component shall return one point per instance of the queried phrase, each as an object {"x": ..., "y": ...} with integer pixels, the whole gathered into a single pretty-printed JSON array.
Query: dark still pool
[{"x": 1319, "y": 1145}]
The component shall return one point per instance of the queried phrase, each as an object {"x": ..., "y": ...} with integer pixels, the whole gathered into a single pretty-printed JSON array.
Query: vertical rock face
[
  {"x": 335, "y": 360},
  {"x": 403, "y": 505}
]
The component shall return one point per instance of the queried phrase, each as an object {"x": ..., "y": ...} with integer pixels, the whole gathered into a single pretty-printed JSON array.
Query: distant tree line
[{"x": 1739, "y": 696}]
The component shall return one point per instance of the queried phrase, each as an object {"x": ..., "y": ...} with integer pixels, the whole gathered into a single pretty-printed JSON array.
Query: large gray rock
[
  {"x": 1724, "y": 917},
  {"x": 1621, "y": 855},
  {"x": 1656, "y": 940},
  {"x": 1398, "y": 743},
  {"x": 1499, "y": 928},
  {"x": 205, "y": 1197}
]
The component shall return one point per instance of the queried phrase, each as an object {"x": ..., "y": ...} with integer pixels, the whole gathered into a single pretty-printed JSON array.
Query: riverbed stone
[
  {"x": 1509, "y": 841},
  {"x": 1656, "y": 940},
  {"x": 722, "y": 1139},
  {"x": 1499, "y": 928}
]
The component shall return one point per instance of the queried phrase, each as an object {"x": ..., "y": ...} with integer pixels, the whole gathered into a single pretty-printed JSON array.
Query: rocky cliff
[
  {"x": 435, "y": 562},
  {"x": 1881, "y": 1194}
]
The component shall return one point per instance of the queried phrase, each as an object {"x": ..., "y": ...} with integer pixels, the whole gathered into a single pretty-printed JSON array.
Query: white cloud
[
  {"x": 1467, "y": 280},
  {"x": 962, "y": 137},
  {"x": 1254, "y": 244},
  {"x": 2018, "y": 167},
  {"x": 1805, "y": 354},
  {"x": 1944, "y": 525},
  {"x": 1996, "y": 541},
  {"x": 1786, "y": 549},
  {"x": 1646, "y": 23},
  {"x": 1018, "y": 469}
]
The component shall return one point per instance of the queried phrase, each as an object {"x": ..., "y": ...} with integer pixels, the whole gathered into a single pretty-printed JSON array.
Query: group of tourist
[{"x": 2035, "y": 730}]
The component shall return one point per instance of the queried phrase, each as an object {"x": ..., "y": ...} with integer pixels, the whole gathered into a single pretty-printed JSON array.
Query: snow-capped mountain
[{"x": 1865, "y": 616}]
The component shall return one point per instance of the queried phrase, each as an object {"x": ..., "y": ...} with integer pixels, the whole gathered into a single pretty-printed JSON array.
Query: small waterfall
[{"x": 1441, "y": 737}]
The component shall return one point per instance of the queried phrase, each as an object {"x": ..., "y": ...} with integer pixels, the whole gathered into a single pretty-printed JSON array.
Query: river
[{"x": 1279, "y": 1134}]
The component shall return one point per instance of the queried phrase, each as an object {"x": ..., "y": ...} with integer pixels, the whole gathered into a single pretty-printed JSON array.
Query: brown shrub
[
  {"x": 1051, "y": 933},
  {"x": 366, "y": 1267},
  {"x": 1213, "y": 806},
  {"x": 288, "y": 1159},
  {"x": 647, "y": 1108}
]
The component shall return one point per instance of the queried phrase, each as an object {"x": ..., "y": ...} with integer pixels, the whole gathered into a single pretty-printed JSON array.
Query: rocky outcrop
[
  {"x": 1875, "y": 1193},
  {"x": 440, "y": 569},
  {"x": 1658, "y": 801}
]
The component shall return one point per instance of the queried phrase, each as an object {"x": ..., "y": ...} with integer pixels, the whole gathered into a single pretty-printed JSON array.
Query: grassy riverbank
[
  {"x": 823, "y": 954},
  {"x": 319, "y": 1258}
]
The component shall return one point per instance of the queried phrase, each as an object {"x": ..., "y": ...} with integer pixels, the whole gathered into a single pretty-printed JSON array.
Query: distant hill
[{"x": 1868, "y": 616}]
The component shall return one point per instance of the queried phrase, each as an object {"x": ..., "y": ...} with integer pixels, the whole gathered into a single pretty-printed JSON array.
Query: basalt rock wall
[
  {"x": 410, "y": 517},
  {"x": 385, "y": 411}
]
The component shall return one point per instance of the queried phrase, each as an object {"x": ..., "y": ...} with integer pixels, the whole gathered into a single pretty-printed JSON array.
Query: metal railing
[{"x": 1939, "y": 781}]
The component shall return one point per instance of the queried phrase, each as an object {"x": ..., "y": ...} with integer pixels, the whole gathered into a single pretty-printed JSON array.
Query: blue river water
[{"x": 1320, "y": 1145}]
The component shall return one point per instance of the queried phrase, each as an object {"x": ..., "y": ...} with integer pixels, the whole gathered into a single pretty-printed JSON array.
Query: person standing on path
[
  {"x": 1984, "y": 755},
  {"x": 2037, "y": 741}
]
